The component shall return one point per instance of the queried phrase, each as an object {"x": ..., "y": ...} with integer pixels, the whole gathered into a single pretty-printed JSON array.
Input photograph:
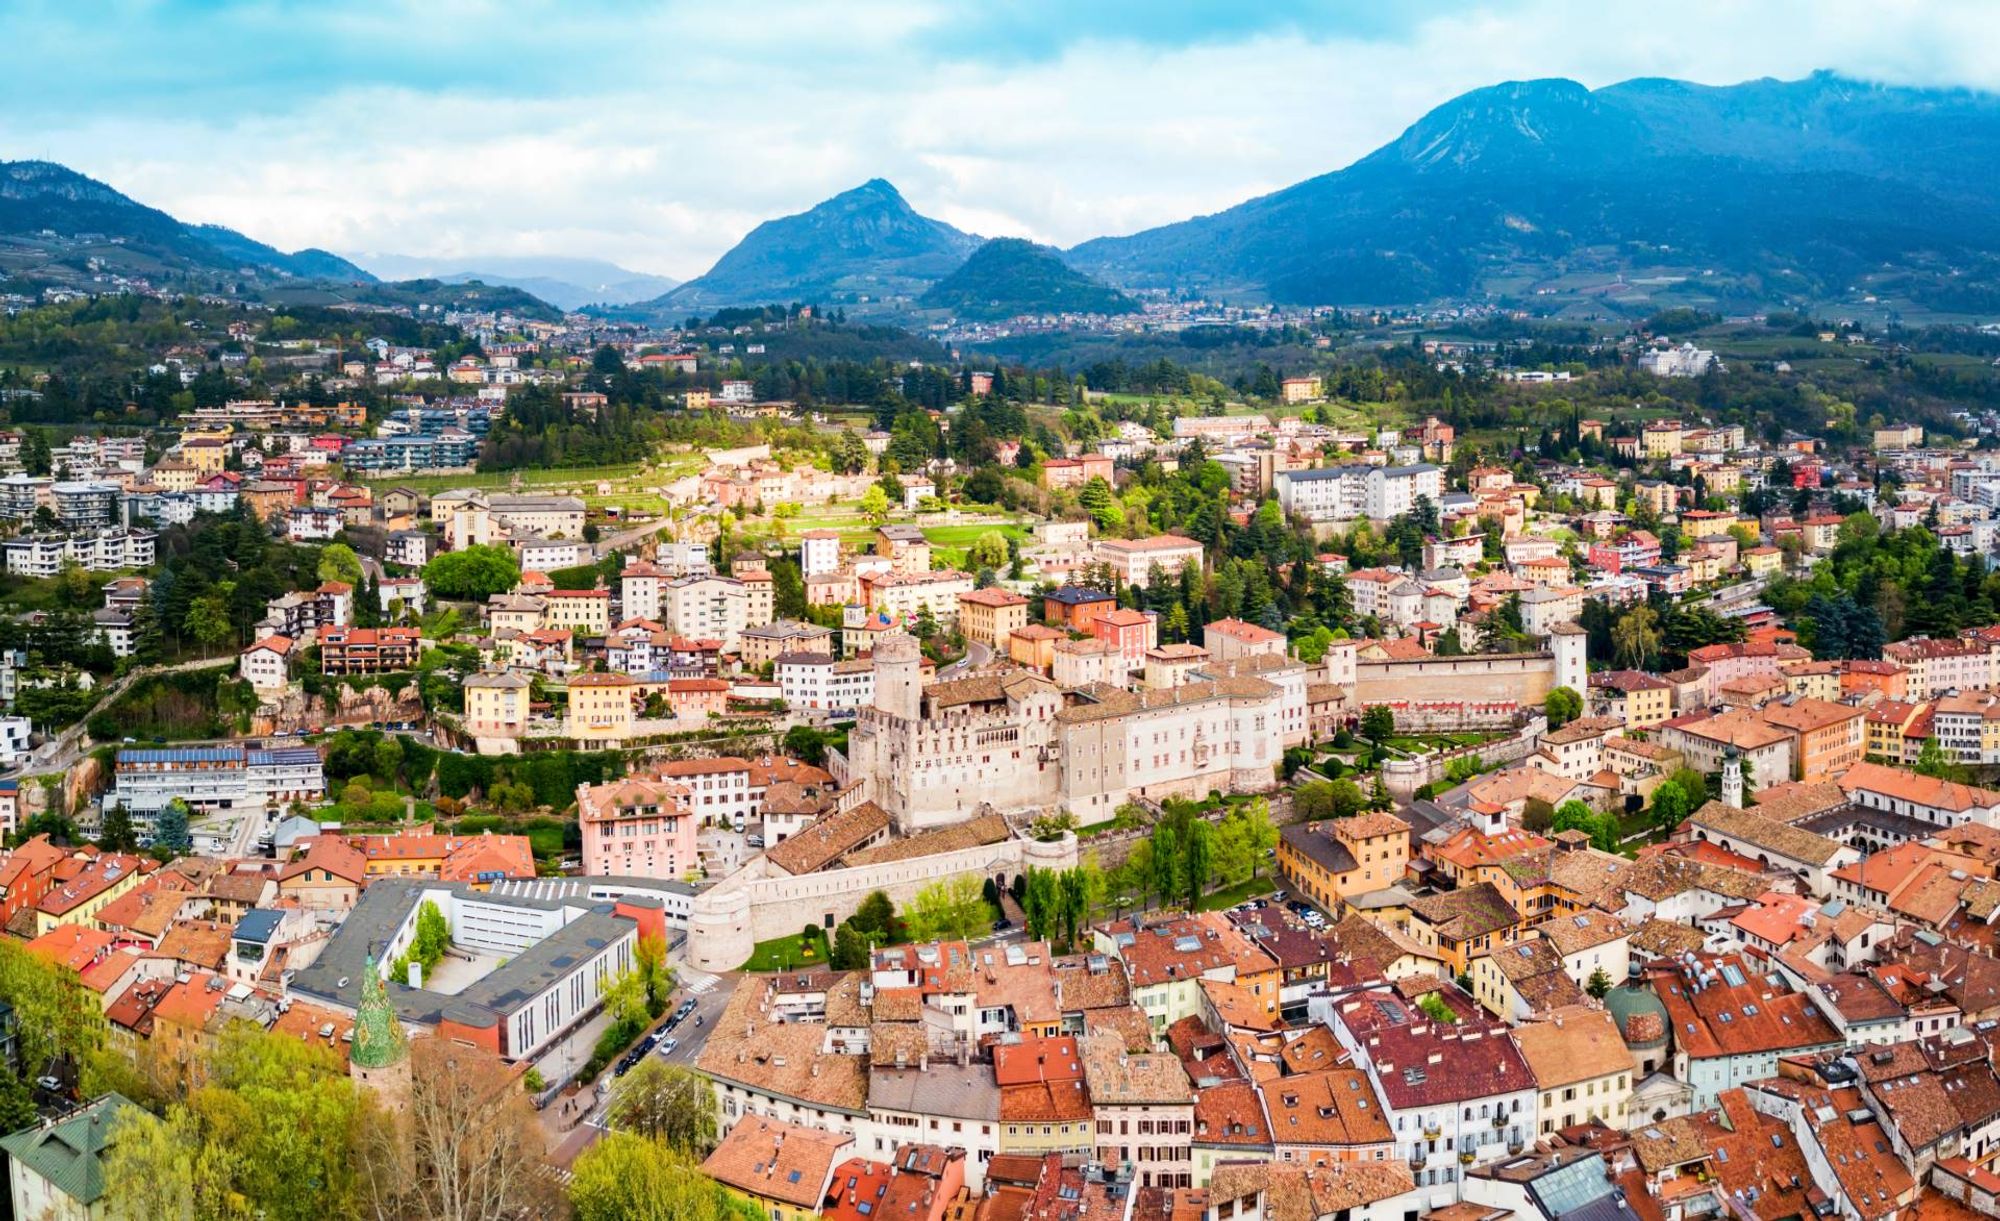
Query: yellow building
[
  {"x": 1661, "y": 439},
  {"x": 1763, "y": 561},
  {"x": 1328, "y": 862},
  {"x": 1581, "y": 1066},
  {"x": 600, "y": 706},
  {"x": 496, "y": 704},
  {"x": 586, "y": 612},
  {"x": 206, "y": 455},
  {"x": 1633, "y": 696},
  {"x": 990, "y": 616},
  {"x": 78, "y": 900},
  {"x": 175, "y": 475},
  {"x": 1461, "y": 923}
]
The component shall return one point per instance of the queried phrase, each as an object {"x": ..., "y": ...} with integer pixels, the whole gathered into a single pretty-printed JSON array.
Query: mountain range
[
  {"x": 54, "y": 212},
  {"x": 1526, "y": 192},
  {"x": 562, "y": 282}
]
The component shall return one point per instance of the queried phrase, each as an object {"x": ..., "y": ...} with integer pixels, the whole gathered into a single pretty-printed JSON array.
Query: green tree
[
  {"x": 1378, "y": 794},
  {"x": 207, "y": 620},
  {"x": 626, "y": 1177},
  {"x": 1200, "y": 860},
  {"x": 875, "y": 915},
  {"x": 850, "y": 948},
  {"x": 1635, "y": 638},
  {"x": 667, "y": 1103},
  {"x": 117, "y": 834},
  {"x": 1166, "y": 862},
  {"x": 989, "y": 550},
  {"x": 1347, "y": 798},
  {"x": 337, "y": 562},
  {"x": 949, "y": 909},
  {"x": 170, "y": 829},
  {"x": 875, "y": 504},
  {"x": 1378, "y": 723},
  {"x": 1599, "y": 985},
  {"x": 1562, "y": 706},
  {"x": 475, "y": 573}
]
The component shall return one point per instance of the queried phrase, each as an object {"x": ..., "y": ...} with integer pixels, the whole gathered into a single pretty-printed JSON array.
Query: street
[{"x": 710, "y": 994}]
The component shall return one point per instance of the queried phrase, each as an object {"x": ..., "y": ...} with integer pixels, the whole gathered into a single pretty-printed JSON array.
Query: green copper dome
[{"x": 378, "y": 1036}]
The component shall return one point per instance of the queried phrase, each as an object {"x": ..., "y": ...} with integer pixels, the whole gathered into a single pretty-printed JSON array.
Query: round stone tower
[
  {"x": 380, "y": 1056},
  {"x": 899, "y": 676},
  {"x": 719, "y": 933}
]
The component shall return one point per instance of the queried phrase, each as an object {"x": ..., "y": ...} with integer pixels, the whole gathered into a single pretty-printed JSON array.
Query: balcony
[
  {"x": 1466, "y": 1158},
  {"x": 1500, "y": 1121},
  {"x": 1418, "y": 1158},
  {"x": 1433, "y": 1131}
]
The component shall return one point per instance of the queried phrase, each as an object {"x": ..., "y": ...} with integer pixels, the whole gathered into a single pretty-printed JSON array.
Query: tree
[
  {"x": 207, "y": 619},
  {"x": 1635, "y": 638},
  {"x": 1672, "y": 804},
  {"x": 1378, "y": 794},
  {"x": 1378, "y": 723},
  {"x": 1253, "y": 822},
  {"x": 466, "y": 1147},
  {"x": 1200, "y": 860},
  {"x": 626, "y": 1177},
  {"x": 1562, "y": 706},
  {"x": 1932, "y": 761},
  {"x": 475, "y": 573},
  {"x": 949, "y": 909},
  {"x": 989, "y": 550},
  {"x": 850, "y": 948},
  {"x": 163, "y": 1168},
  {"x": 337, "y": 562},
  {"x": 875, "y": 504},
  {"x": 1599, "y": 985},
  {"x": 117, "y": 834},
  {"x": 1166, "y": 862},
  {"x": 1041, "y": 903},
  {"x": 875, "y": 915},
  {"x": 170, "y": 829},
  {"x": 667, "y": 1103}
]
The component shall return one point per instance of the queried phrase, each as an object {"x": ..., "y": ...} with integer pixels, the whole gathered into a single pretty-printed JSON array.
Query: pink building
[
  {"x": 636, "y": 827},
  {"x": 1131, "y": 632}
]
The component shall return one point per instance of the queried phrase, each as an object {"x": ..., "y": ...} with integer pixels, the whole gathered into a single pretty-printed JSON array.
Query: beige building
[
  {"x": 1580, "y": 1065},
  {"x": 1132, "y": 561},
  {"x": 902, "y": 595},
  {"x": 600, "y": 706},
  {"x": 586, "y": 612},
  {"x": 990, "y": 616},
  {"x": 496, "y": 704}
]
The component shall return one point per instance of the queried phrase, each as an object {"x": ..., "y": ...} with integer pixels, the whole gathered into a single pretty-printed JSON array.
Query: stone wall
[
  {"x": 1519, "y": 678},
  {"x": 759, "y": 902}
]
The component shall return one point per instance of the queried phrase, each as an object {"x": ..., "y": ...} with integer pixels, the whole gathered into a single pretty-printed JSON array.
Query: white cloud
[{"x": 667, "y": 137}]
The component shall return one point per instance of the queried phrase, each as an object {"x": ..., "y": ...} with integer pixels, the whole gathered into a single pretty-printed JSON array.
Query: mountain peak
[
  {"x": 1011, "y": 276},
  {"x": 1533, "y": 118},
  {"x": 865, "y": 243}
]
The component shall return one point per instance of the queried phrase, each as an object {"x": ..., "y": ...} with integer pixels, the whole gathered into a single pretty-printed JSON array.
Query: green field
[{"x": 784, "y": 953}]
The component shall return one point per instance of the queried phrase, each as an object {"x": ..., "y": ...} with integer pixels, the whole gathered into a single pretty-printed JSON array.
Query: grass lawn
[
  {"x": 1230, "y": 896},
  {"x": 544, "y": 477},
  {"x": 963, "y": 536},
  {"x": 784, "y": 953}
]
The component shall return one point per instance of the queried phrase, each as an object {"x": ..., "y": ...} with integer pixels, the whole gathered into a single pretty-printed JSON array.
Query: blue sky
[{"x": 655, "y": 135}]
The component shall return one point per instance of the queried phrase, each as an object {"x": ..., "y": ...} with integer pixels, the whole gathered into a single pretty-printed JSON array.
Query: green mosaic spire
[{"x": 378, "y": 1036}]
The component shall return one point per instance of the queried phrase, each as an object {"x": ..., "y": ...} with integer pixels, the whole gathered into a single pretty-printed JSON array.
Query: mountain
[
  {"x": 1763, "y": 190},
  {"x": 866, "y": 244},
  {"x": 1008, "y": 277},
  {"x": 55, "y": 221},
  {"x": 563, "y": 282}
]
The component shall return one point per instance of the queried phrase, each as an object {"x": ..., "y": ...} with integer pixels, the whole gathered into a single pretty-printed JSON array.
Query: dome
[{"x": 1641, "y": 1018}]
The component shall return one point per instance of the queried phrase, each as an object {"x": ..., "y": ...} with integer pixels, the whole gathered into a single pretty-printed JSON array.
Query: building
[
  {"x": 215, "y": 778},
  {"x": 369, "y": 650},
  {"x": 265, "y": 665},
  {"x": 1134, "y": 561},
  {"x": 1581, "y": 1065},
  {"x": 601, "y": 706},
  {"x": 783, "y": 1172},
  {"x": 1728, "y": 1027},
  {"x": 496, "y": 704},
  {"x": 1145, "y": 1112},
  {"x": 820, "y": 682},
  {"x": 56, "y": 1168},
  {"x": 989, "y": 616},
  {"x": 637, "y": 827},
  {"x": 1328, "y": 862},
  {"x": 546, "y": 962},
  {"x": 1343, "y": 493}
]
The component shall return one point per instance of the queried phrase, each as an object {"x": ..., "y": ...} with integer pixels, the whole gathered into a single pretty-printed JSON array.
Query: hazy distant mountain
[
  {"x": 864, "y": 243},
  {"x": 56, "y": 219},
  {"x": 1779, "y": 188},
  {"x": 1008, "y": 277},
  {"x": 564, "y": 282}
]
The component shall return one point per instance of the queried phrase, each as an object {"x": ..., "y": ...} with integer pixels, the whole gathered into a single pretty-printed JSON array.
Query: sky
[{"x": 656, "y": 135}]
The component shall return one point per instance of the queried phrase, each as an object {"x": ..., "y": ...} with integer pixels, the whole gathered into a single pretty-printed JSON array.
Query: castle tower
[
  {"x": 1732, "y": 777},
  {"x": 1572, "y": 668},
  {"x": 380, "y": 1057},
  {"x": 899, "y": 676}
]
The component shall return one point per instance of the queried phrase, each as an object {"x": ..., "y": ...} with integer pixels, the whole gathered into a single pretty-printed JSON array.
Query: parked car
[{"x": 667, "y": 1048}]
